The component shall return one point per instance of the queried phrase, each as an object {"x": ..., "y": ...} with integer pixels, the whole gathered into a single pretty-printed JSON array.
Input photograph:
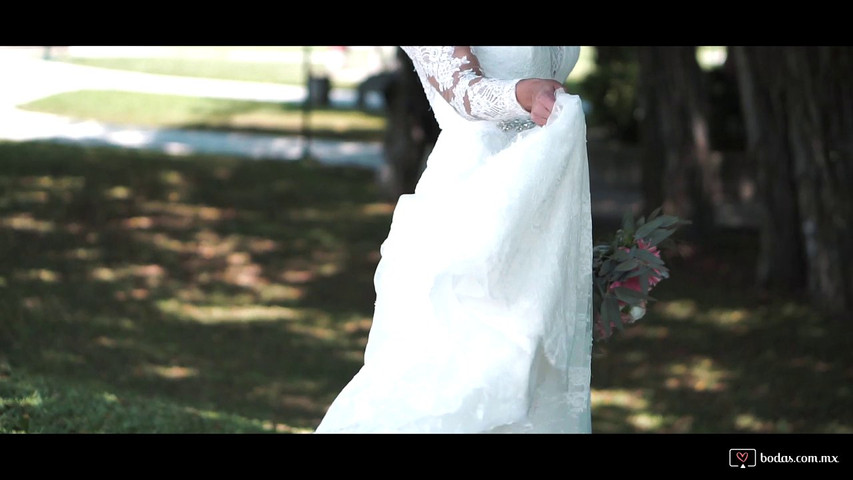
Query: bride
[{"x": 483, "y": 291}]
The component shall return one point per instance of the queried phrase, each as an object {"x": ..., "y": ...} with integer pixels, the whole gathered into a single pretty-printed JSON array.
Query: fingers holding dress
[{"x": 537, "y": 96}]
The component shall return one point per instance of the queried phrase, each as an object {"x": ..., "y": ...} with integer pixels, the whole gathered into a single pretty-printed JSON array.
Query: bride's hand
[{"x": 537, "y": 96}]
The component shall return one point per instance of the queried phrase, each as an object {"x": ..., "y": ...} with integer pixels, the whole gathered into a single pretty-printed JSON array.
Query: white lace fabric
[{"x": 455, "y": 74}]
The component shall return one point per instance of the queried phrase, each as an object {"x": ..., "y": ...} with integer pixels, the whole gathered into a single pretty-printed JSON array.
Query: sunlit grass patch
[
  {"x": 26, "y": 222},
  {"x": 220, "y": 68},
  {"x": 174, "y": 372},
  {"x": 219, "y": 314},
  {"x": 699, "y": 374},
  {"x": 620, "y": 410},
  {"x": 633, "y": 400},
  {"x": 174, "y": 111}
]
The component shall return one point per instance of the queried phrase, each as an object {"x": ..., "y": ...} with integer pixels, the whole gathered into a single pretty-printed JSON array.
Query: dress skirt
[{"x": 483, "y": 291}]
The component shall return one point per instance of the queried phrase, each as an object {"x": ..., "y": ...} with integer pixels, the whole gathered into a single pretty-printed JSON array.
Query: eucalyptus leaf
[
  {"x": 640, "y": 270},
  {"x": 655, "y": 213},
  {"x": 606, "y": 268},
  {"x": 670, "y": 221},
  {"x": 605, "y": 322},
  {"x": 644, "y": 282},
  {"x": 628, "y": 295},
  {"x": 627, "y": 265},
  {"x": 610, "y": 312},
  {"x": 628, "y": 222},
  {"x": 649, "y": 227},
  {"x": 632, "y": 273},
  {"x": 648, "y": 257},
  {"x": 659, "y": 236},
  {"x": 621, "y": 255}
]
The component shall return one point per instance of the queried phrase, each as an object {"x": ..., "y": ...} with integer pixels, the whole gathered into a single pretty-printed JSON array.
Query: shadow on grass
[
  {"x": 345, "y": 124},
  {"x": 202, "y": 281},
  {"x": 140, "y": 292},
  {"x": 715, "y": 355}
]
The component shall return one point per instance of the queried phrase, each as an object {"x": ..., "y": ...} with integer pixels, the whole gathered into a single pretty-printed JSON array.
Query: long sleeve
[{"x": 455, "y": 74}]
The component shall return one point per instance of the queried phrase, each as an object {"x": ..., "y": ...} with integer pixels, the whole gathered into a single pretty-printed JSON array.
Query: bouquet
[{"x": 627, "y": 268}]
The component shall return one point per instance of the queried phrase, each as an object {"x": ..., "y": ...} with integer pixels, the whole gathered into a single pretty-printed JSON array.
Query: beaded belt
[{"x": 516, "y": 124}]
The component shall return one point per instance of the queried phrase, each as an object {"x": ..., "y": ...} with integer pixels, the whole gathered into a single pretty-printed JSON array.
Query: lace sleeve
[{"x": 455, "y": 74}]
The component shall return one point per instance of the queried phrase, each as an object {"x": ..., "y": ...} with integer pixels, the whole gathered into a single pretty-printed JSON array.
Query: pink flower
[
  {"x": 653, "y": 280},
  {"x": 645, "y": 246},
  {"x": 632, "y": 283}
]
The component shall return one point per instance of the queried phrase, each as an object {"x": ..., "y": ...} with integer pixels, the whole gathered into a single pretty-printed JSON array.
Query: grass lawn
[
  {"x": 146, "y": 293},
  {"x": 283, "y": 73},
  {"x": 131, "y": 108},
  {"x": 282, "y": 65},
  {"x": 143, "y": 293}
]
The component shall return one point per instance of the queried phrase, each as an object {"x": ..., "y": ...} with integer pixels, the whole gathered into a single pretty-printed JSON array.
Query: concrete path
[{"x": 25, "y": 76}]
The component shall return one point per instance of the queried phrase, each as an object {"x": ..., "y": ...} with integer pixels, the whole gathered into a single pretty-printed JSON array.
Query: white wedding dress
[{"x": 483, "y": 291}]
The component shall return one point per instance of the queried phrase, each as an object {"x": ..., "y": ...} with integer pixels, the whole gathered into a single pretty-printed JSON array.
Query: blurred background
[{"x": 188, "y": 235}]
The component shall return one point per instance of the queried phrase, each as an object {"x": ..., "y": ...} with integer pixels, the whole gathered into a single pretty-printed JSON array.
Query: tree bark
[
  {"x": 678, "y": 168},
  {"x": 798, "y": 109}
]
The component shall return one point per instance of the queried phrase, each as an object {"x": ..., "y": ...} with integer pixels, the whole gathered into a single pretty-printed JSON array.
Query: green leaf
[
  {"x": 627, "y": 265},
  {"x": 648, "y": 257},
  {"x": 601, "y": 318},
  {"x": 669, "y": 220},
  {"x": 644, "y": 282},
  {"x": 659, "y": 236},
  {"x": 628, "y": 221},
  {"x": 621, "y": 255},
  {"x": 662, "y": 222},
  {"x": 640, "y": 270},
  {"x": 649, "y": 227},
  {"x": 610, "y": 312},
  {"x": 606, "y": 268},
  {"x": 655, "y": 213},
  {"x": 629, "y": 296}
]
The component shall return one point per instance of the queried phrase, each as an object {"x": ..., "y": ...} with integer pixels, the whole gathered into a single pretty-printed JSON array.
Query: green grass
[
  {"x": 146, "y": 293},
  {"x": 131, "y": 108},
  {"x": 53, "y": 405},
  {"x": 714, "y": 355},
  {"x": 231, "y": 295},
  {"x": 269, "y": 72}
]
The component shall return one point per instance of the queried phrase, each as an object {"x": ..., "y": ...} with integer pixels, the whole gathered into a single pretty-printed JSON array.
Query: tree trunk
[
  {"x": 678, "y": 168},
  {"x": 798, "y": 109},
  {"x": 411, "y": 131}
]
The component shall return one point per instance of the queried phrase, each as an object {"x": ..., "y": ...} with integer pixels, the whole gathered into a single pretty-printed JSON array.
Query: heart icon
[{"x": 742, "y": 456}]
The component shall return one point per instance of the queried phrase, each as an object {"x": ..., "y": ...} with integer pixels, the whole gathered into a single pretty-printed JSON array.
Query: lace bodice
[{"x": 479, "y": 82}]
